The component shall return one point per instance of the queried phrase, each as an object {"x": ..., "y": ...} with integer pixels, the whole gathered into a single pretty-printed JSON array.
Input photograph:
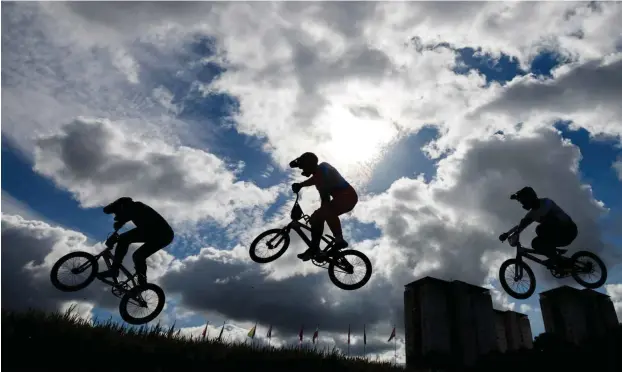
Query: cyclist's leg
[
  {"x": 135, "y": 235},
  {"x": 566, "y": 235},
  {"x": 154, "y": 244},
  {"x": 342, "y": 203},
  {"x": 317, "y": 229},
  {"x": 544, "y": 241}
]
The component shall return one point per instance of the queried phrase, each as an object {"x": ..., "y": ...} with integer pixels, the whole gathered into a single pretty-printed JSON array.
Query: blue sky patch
[
  {"x": 505, "y": 68},
  {"x": 403, "y": 159}
]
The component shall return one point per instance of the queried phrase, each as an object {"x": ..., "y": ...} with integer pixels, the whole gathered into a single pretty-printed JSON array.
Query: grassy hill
[{"x": 43, "y": 342}]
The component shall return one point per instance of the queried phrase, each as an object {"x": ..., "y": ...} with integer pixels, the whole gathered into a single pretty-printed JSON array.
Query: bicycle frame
[
  {"x": 527, "y": 253},
  {"x": 114, "y": 282},
  {"x": 107, "y": 256},
  {"x": 298, "y": 227},
  {"x": 524, "y": 252}
]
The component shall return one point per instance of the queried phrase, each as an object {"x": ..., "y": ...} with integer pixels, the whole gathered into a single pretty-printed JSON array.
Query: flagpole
[
  {"x": 348, "y": 340},
  {"x": 269, "y": 335},
  {"x": 364, "y": 342},
  {"x": 395, "y": 341}
]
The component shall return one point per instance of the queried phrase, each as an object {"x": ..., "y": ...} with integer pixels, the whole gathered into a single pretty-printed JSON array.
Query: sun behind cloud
[{"x": 356, "y": 139}]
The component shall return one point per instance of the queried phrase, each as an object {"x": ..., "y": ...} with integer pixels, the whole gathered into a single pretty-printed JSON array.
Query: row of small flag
[{"x": 316, "y": 334}]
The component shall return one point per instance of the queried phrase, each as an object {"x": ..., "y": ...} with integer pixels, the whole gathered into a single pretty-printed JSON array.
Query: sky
[{"x": 435, "y": 112}]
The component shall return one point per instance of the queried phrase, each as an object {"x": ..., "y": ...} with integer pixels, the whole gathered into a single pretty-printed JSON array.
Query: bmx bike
[
  {"x": 335, "y": 260},
  {"x": 130, "y": 291},
  {"x": 559, "y": 266}
]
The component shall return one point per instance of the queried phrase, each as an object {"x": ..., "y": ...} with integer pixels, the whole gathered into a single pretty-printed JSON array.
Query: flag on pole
[
  {"x": 316, "y": 333},
  {"x": 251, "y": 333},
  {"x": 300, "y": 334},
  {"x": 269, "y": 335},
  {"x": 348, "y": 334},
  {"x": 221, "y": 330},
  {"x": 205, "y": 330},
  {"x": 392, "y": 335},
  {"x": 364, "y": 335}
]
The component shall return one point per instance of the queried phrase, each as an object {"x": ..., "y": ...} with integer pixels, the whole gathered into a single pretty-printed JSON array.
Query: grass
[{"x": 38, "y": 341}]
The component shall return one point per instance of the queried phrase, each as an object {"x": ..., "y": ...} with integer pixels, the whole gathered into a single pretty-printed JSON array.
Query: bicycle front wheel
[
  {"x": 74, "y": 271},
  {"x": 525, "y": 284},
  {"x": 142, "y": 304},
  {"x": 349, "y": 270},
  {"x": 275, "y": 244}
]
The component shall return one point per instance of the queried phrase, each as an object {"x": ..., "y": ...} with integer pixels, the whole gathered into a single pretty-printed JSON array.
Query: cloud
[
  {"x": 83, "y": 310},
  {"x": 207, "y": 280},
  {"x": 615, "y": 292},
  {"x": 10, "y": 205},
  {"x": 90, "y": 80},
  {"x": 588, "y": 93},
  {"x": 306, "y": 76},
  {"x": 29, "y": 249},
  {"x": 96, "y": 161}
]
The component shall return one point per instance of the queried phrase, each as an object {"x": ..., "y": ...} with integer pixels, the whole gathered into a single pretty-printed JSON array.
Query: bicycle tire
[
  {"x": 600, "y": 263},
  {"x": 67, "y": 288},
  {"x": 506, "y": 287},
  {"x": 342, "y": 254},
  {"x": 132, "y": 293},
  {"x": 279, "y": 253}
]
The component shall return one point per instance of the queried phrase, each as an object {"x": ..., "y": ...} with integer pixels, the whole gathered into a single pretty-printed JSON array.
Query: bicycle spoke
[
  {"x": 354, "y": 270},
  {"x": 142, "y": 311},
  {"x": 521, "y": 283},
  {"x": 594, "y": 267},
  {"x": 266, "y": 247},
  {"x": 64, "y": 272}
]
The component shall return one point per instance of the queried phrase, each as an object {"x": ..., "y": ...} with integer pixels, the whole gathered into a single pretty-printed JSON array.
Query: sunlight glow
[{"x": 355, "y": 142}]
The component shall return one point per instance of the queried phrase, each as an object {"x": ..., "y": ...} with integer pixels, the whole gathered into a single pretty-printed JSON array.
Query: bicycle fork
[
  {"x": 518, "y": 273},
  {"x": 284, "y": 231}
]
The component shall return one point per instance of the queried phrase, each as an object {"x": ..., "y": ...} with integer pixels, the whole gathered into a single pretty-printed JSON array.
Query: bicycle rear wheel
[
  {"x": 342, "y": 263},
  {"x": 79, "y": 264},
  {"x": 142, "y": 304},
  {"x": 588, "y": 264}
]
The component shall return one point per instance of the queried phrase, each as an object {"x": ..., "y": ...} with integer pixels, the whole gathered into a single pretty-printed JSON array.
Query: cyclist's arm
[
  {"x": 309, "y": 182},
  {"x": 124, "y": 217},
  {"x": 522, "y": 225}
]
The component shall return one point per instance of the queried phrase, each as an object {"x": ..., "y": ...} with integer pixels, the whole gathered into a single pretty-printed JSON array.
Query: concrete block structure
[{"x": 575, "y": 314}]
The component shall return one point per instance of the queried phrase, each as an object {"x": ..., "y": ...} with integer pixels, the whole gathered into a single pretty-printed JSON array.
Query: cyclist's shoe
[
  {"x": 308, "y": 254},
  {"x": 111, "y": 273},
  {"x": 340, "y": 244}
]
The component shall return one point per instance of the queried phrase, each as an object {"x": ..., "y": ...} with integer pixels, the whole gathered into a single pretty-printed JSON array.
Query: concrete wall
[
  {"x": 576, "y": 314},
  {"x": 458, "y": 318},
  {"x": 502, "y": 343}
]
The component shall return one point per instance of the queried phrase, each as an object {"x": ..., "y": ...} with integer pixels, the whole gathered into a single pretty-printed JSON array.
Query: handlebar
[
  {"x": 110, "y": 242},
  {"x": 514, "y": 239}
]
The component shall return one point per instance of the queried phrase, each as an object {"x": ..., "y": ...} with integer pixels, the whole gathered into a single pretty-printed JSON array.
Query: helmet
[
  {"x": 307, "y": 162},
  {"x": 117, "y": 204},
  {"x": 527, "y": 197}
]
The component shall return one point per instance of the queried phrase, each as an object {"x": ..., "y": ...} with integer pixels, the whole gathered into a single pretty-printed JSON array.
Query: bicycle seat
[{"x": 561, "y": 251}]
